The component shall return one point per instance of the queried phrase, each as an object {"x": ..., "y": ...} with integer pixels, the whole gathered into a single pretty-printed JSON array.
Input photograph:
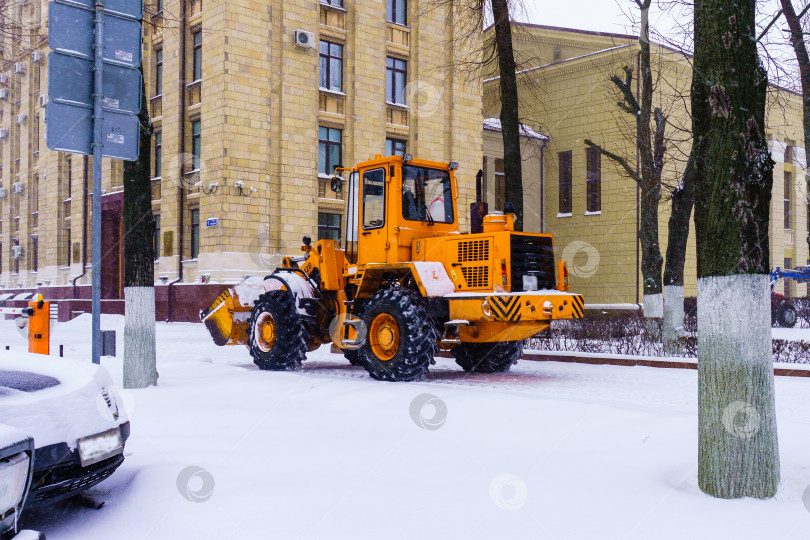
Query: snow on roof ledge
[{"x": 494, "y": 124}]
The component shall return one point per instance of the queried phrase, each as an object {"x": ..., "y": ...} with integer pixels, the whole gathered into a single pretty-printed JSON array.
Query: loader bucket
[{"x": 226, "y": 319}]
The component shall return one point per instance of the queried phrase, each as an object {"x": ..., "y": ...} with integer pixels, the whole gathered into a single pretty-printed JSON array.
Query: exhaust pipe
[{"x": 478, "y": 209}]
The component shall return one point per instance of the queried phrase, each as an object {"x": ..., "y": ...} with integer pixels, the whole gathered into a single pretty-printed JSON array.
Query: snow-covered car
[
  {"x": 16, "y": 468},
  {"x": 74, "y": 415}
]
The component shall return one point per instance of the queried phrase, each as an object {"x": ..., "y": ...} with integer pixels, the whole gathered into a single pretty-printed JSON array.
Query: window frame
[
  {"x": 332, "y": 3},
  {"x": 330, "y": 227},
  {"x": 196, "y": 61},
  {"x": 194, "y": 238},
  {"x": 391, "y": 12},
  {"x": 158, "y": 72},
  {"x": 329, "y": 144},
  {"x": 363, "y": 198},
  {"x": 392, "y": 69},
  {"x": 156, "y": 236},
  {"x": 593, "y": 181},
  {"x": 392, "y": 142},
  {"x": 157, "y": 161},
  {"x": 565, "y": 161},
  {"x": 329, "y": 57},
  {"x": 196, "y": 144}
]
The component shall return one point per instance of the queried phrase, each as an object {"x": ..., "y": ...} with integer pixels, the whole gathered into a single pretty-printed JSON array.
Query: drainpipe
[
  {"x": 543, "y": 144},
  {"x": 182, "y": 149},
  {"x": 85, "y": 190},
  {"x": 638, "y": 195}
]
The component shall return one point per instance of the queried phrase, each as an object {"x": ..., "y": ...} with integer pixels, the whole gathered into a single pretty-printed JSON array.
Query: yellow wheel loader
[{"x": 404, "y": 283}]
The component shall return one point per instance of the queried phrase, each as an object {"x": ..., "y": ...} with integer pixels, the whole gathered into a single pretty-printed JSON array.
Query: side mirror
[{"x": 337, "y": 184}]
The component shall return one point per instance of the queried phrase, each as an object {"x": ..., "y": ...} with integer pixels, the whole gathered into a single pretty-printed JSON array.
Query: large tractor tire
[
  {"x": 787, "y": 315},
  {"x": 488, "y": 357},
  {"x": 401, "y": 339},
  {"x": 352, "y": 356},
  {"x": 277, "y": 338}
]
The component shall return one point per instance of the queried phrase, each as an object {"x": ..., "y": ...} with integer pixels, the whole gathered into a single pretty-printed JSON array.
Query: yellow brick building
[
  {"x": 588, "y": 205},
  {"x": 253, "y": 103}
]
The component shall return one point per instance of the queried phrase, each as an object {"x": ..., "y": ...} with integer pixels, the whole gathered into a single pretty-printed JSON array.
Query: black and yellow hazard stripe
[
  {"x": 505, "y": 308},
  {"x": 578, "y": 303}
]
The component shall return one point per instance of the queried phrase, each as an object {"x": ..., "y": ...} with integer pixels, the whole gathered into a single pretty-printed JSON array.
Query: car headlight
[{"x": 13, "y": 479}]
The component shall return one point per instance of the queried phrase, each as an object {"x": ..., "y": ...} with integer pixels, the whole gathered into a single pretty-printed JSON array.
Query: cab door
[{"x": 373, "y": 237}]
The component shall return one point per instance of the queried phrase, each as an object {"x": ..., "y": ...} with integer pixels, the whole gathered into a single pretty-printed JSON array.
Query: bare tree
[
  {"x": 737, "y": 449},
  {"x": 651, "y": 147}
]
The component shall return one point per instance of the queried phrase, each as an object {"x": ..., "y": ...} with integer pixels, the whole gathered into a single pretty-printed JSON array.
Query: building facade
[
  {"x": 587, "y": 203},
  {"x": 253, "y": 105}
]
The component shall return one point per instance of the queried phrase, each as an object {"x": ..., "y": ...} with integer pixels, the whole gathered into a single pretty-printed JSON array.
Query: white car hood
[{"x": 67, "y": 411}]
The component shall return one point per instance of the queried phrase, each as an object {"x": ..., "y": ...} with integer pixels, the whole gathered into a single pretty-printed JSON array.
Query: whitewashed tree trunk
[
  {"x": 673, "y": 326},
  {"x": 140, "y": 367},
  {"x": 653, "y": 312},
  {"x": 738, "y": 452}
]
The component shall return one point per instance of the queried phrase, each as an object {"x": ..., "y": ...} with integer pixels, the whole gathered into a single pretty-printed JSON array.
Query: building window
[
  {"x": 397, "y": 11},
  {"x": 64, "y": 255},
  {"x": 159, "y": 72},
  {"x": 197, "y": 63},
  {"x": 156, "y": 237},
  {"x": 788, "y": 188},
  {"x": 196, "y": 129},
  {"x": 396, "y": 75},
  {"x": 500, "y": 184},
  {"x": 329, "y": 226},
  {"x": 329, "y": 150},
  {"x": 394, "y": 147},
  {"x": 35, "y": 253},
  {"x": 331, "y": 66},
  {"x": 593, "y": 180},
  {"x": 788, "y": 265},
  {"x": 158, "y": 6},
  {"x": 565, "y": 182},
  {"x": 158, "y": 153},
  {"x": 336, "y": 3},
  {"x": 788, "y": 154},
  {"x": 195, "y": 233},
  {"x": 69, "y": 166}
]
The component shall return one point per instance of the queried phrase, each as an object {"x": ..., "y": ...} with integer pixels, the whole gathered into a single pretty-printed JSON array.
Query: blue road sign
[
  {"x": 70, "y": 129},
  {"x": 70, "y": 31},
  {"x": 132, "y": 9},
  {"x": 70, "y": 80},
  {"x": 212, "y": 222}
]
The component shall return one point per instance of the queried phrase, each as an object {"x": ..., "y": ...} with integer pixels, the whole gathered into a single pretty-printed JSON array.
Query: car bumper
[{"x": 58, "y": 472}]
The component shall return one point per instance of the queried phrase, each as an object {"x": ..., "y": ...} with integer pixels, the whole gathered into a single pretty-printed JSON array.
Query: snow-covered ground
[{"x": 550, "y": 450}]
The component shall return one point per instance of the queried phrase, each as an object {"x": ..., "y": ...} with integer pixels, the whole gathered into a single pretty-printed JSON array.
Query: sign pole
[{"x": 97, "y": 160}]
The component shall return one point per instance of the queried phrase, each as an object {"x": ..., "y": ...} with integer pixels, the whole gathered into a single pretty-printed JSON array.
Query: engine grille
[
  {"x": 535, "y": 255},
  {"x": 473, "y": 251},
  {"x": 476, "y": 276}
]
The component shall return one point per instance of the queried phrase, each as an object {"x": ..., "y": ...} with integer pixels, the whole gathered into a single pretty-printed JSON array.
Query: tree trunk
[
  {"x": 140, "y": 368},
  {"x": 800, "y": 48},
  {"x": 737, "y": 448},
  {"x": 510, "y": 119},
  {"x": 683, "y": 199}
]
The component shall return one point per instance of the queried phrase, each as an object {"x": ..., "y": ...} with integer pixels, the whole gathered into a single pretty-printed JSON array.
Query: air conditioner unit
[
  {"x": 3, "y": 78},
  {"x": 19, "y": 68},
  {"x": 3, "y": 93},
  {"x": 17, "y": 188},
  {"x": 304, "y": 39},
  {"x": 43, "y": 100},
  {"x": 3, "y": 133},
  {"x": 22, "y": 118},
  {"x": 17, "y": 252},
  {"x": 2, "y": 193},
  {"x": 37, "y": 56}
]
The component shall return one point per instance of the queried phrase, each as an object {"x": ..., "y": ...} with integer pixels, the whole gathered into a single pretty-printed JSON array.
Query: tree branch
[
  {"x": 626, "y": 88},
  {"x": 616, "y": 158}
]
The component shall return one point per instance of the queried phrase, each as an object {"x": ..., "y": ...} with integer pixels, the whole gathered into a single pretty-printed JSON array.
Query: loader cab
[{"x": 394, "y": 200}]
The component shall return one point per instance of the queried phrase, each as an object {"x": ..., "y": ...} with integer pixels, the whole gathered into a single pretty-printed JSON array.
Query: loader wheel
[
  {"x": 277, "y": 338},
  {"x": 401, "y": 340},
  {"x": 352, "y": 356},
  {"x": 787, "y": 315},
  {"x": 488, "y": 357}
]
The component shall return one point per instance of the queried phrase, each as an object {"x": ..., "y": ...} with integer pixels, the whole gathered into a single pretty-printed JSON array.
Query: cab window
[
  {"x": 373, "y": 199},
  {"x": 426, "y": 195}
]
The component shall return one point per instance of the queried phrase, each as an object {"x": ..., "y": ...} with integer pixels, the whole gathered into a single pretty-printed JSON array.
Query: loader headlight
[{"x": 13, "y": 479}]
